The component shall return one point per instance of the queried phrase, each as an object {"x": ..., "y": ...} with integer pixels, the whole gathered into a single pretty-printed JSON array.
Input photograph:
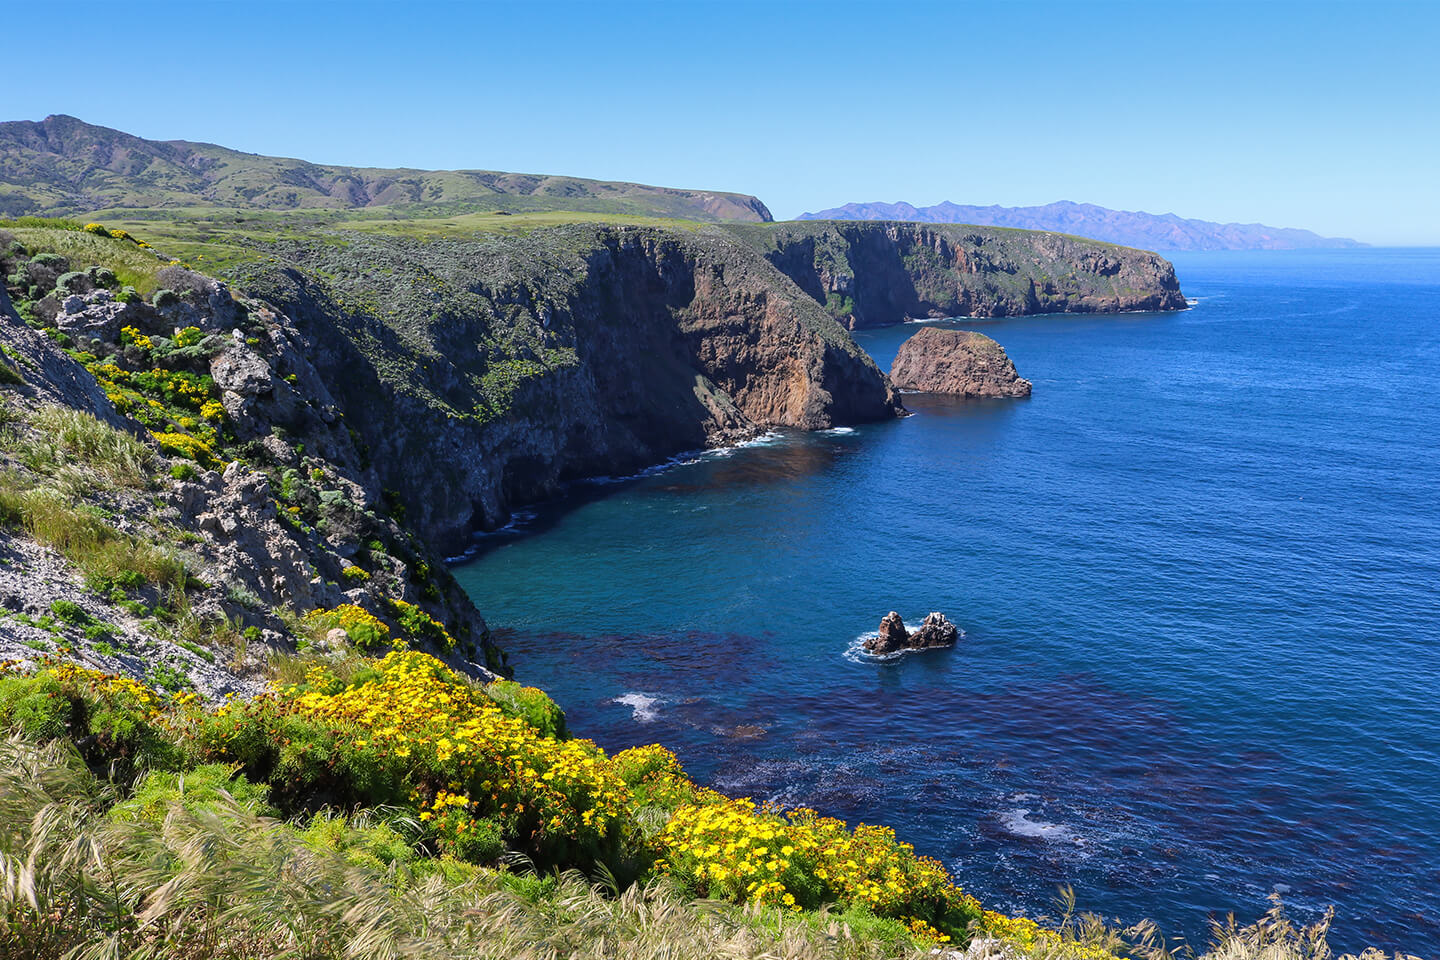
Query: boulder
[
  {"x": 959, "y": 362},
  {"x": 892, "y": 637},
  {"x": 935, "y": 631}
]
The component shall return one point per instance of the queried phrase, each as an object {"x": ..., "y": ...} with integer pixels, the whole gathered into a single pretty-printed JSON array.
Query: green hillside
[{"x": 64, "y": 166}]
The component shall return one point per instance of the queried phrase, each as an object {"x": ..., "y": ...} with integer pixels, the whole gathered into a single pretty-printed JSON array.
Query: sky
[{"x": 1318, "y": 115}]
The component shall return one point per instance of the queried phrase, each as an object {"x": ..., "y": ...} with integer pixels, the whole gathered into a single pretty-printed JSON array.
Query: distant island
[{"x": 1129, "y": 228}]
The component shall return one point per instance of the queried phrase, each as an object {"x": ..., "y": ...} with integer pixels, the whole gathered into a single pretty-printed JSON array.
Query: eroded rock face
[
  {"x": 935, "y": 631},
  {"x": 892, "y": 636},
  {"x": 562, "y": 354},
  {"x": 959, "y": 362},
  {"x": 869, "y": 274}
]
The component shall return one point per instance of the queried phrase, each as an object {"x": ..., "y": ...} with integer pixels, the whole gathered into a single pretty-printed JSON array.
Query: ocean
[{"x": 1198, "y": 573}]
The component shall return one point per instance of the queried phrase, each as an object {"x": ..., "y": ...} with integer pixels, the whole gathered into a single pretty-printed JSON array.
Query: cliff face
[
  {"x": 878, "y": 273},
  {"x": 295, "y": 521},
  {"x": 485, "y": 373}
]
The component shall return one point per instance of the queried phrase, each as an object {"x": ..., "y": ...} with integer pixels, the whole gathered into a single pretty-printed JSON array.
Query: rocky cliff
[
  {"x": 303, "y": 449},
  {"x": 869, "y": 274},
  {"x": 485, "y": 373},
  {"x": 176, "y": 481}
]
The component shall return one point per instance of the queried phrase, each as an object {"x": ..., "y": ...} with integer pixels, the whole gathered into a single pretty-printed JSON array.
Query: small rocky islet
[
  {"x": 892, "y": 637},
  {"x": 957, "y": 362}
]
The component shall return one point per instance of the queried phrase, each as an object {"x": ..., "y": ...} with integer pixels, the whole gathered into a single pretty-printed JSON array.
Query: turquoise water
[{"x": 1198, "y": 572}]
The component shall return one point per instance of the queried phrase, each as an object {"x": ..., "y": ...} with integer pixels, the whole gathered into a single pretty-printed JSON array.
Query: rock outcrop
[
  {"x": 483, "y": 374},
  {"x": 892, "y": 637},
  {"x": 959, "y": 362},
  {"x": 285, "y": 525},
  {"x": 870, "y": 274}
]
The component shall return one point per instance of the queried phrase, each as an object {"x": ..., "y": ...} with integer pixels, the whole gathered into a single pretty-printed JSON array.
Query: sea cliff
[
  {"x": 870, "y": 274},
  {"x": 487, "y": 373}
]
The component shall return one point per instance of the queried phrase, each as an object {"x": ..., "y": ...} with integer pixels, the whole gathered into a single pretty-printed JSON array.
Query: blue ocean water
[{"x": 1198, "y": 573}]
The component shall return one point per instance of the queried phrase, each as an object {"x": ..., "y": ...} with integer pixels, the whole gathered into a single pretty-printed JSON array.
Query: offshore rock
[
  {"x": 935, "y": 631},
  {"x": 892, "y": 636},
  {"x": 959, "y": 362}
]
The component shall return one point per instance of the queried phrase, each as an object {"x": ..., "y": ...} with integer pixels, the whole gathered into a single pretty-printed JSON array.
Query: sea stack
[
  {"x": 935, "y": 631},
  {"x": 958, "y": 362}
]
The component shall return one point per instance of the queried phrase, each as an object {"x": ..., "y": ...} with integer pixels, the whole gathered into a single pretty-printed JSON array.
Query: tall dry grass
[{"x": 226, "y": 884}]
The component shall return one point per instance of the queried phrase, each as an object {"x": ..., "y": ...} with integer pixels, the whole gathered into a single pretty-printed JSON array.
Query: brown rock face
[
  {"x": 892, "y": 637},
  {"x": 936, "y": 631},
  {"x": 870, "y": 274},
  {"x": 960, "y": 362}
]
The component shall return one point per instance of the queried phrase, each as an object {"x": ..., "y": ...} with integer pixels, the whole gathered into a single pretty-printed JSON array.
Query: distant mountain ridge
[
  {"x": 61, "y": 165},
  {"x": 1129, "y": 228}
]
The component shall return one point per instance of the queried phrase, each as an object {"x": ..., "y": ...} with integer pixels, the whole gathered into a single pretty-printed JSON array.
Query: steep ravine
[{"x": 871, "y": 274}]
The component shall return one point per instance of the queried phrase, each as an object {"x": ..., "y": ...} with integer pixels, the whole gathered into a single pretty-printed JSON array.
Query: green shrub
[
  {"x": 77, "y": 281},
  {"x": 9, "y": 376},
  {"x": 307, "y": 763},
  {"x": 164, "y": 299},
  {"x": 199, "y": 789},
  {"x": 108, "y": 718},
  {"x": 183, "y": 471},
  {"x": 36, "y": 707},
  {"x": 361, "y": 842},
  {"x": 70, "y": 612},
  {"x": 530, "y": 704}
]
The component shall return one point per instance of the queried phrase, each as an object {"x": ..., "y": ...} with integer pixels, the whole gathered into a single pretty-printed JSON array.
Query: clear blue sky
[{"x": 1317, "y": 115}]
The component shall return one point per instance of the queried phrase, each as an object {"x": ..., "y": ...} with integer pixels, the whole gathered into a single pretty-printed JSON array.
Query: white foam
[
  {"x": 764, "y": 440},
  {"x": 643, "y": 707},
  {"x": 1017, "y": 822},
  {"x": 838, "y": 431},
  {"x": 519, "y": 520}
]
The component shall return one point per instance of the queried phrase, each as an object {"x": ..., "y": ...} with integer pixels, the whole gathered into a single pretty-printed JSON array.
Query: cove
[{"x": 1197, "y": 574}]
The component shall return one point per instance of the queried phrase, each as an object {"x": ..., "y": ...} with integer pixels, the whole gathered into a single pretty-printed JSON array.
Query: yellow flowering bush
[
  {"x": 131, "y": 334},
  {"x": 408, "y": 731},
  {"x": 184, "y": 445},
  {"x": 188, "y": 337},
  {"x": 558, "y": 795},
  {"x": 734, "y": 850},
  {"x": 365, "y": 630},
  {"x": 97, "y": 229},
  {"x": 114, "y": 721}
]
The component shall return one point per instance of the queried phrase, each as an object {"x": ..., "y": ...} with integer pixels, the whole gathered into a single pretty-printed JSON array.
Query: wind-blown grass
[
  {"x": 220, "y": 881},
  {"x": 65, "y": 438}
]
